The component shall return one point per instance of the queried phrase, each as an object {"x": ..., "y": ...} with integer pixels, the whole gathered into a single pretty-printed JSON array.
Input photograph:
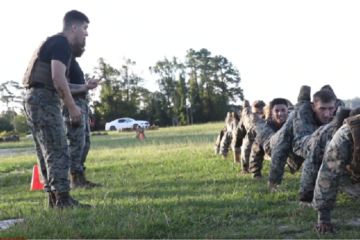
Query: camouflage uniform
[
  {"x": 304, "y": 126},
  {"x": 87, "y": 142},
  {"x": 281, "y": 152},
  {"x": 219, "y": 138},
  {"x": 313, "y": 161},
  {"x": 261, "y": 147},
  {"x": 43, "y": 116},
  {"x": 248, "y": 140},
  {"x": 227, "y": 138},
  {"x": 332, "y": 175},
  {"x": 76, "y": 135}
]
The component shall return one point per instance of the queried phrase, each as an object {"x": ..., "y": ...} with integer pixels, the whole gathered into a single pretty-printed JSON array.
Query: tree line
[{"x": 198, "y": 89}]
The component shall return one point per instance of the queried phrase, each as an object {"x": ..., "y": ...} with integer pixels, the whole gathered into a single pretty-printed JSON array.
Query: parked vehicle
[{"x": 121, "y": 123}]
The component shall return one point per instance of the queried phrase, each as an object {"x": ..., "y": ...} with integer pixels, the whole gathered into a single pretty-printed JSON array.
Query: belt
[{"x": 41, "y": 86}]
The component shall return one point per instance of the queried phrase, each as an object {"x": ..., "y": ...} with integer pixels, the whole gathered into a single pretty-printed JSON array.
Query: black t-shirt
[
  {"x": 76, "y": 75},
  {"x": 56, "y": 48}
]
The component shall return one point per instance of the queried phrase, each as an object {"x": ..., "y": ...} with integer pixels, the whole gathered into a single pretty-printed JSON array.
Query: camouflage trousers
[
  {"x": 43, "y": 116},
  {"x": 225, "y": 143},
  {"x": 315, "y": 153},
  {"x": 246, "y": 151},
  {"x": 266, "y": 137},
  {"x": 332, "y": 174},
  {"x": 219, "y": 138},
  {"x": 78, "y": 137},
  {"x": 304, "y": 125}
]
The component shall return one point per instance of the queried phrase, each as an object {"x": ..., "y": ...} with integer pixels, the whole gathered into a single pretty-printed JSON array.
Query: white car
[{"x": 121, "y": 123}]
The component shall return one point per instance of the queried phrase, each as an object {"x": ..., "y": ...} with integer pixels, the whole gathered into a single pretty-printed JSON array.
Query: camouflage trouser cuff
[
  {"x": 237, "y": 149},
  {"x": 274, "y": 179},
  {"x": 224, "y": 152},
  {"x": 306, "y": 196},
  {"x": 324, "y": 216}
]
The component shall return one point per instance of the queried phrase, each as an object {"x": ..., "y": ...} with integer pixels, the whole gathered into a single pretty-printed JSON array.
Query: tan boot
[
  {"x": 64, "y": 200},
  {"x": 87, "y": 183},
  {"x": 76, "y": 180}
]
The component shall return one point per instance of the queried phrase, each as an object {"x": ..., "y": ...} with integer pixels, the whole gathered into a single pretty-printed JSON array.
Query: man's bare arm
[
  {"x": 58, "y": 70},
  {"x": 77, "y": 88}
]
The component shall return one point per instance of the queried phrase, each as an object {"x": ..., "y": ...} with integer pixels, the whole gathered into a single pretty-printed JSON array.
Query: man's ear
[
  {"x": 74, "y": 27},
  {"x": 313, "y": 106}
]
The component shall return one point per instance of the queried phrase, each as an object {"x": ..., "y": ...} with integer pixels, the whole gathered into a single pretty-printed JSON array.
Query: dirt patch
[
  {"x": 16, "y": 151},
  {"x": 5, "y": 224}
]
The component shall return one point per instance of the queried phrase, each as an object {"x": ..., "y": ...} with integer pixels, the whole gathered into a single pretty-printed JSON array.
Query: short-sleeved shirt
[
  {"x": 56, "y": 48},
  {"x": 76, "y": 75}
]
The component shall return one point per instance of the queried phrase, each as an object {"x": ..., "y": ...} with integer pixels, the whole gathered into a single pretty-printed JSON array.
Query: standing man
[
  {"x": 78, "y": 136},
  {"x": 46, "y": 82}
]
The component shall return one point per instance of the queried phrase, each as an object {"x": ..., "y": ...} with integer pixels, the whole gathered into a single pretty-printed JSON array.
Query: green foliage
[
  {"x": 189, "y": 92},
  {"x": 21, "y": 125},
  {"x": 5, "y": 125}
]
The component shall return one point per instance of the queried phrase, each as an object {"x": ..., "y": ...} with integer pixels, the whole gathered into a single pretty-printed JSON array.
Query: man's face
[
  {"x": 258, "y": 111},
  {"x": 280, "y": 113},
  {"x": 323, "y": 111},
  {"x": 80, "y": 31}
]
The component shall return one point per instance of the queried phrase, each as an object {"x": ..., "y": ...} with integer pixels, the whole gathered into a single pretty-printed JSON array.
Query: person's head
[
  {"x": 267, "y": 111},
  {"x": 258, "y": 107},
  {"x": 75, "y": 25},
  {"x": 279, "y": 110},
  {"x": 324, "y": 105}
]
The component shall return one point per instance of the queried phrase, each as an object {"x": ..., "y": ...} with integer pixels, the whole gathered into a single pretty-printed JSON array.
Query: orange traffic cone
[
  {"x": 141, "y": 136},
  {"x": 35, "y": 180}
]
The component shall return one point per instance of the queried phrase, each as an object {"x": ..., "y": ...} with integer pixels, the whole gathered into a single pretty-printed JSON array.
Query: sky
[{"x": 277, "y": 46}]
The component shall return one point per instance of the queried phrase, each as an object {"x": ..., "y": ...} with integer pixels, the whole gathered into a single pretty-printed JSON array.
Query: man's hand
[
  {"x": 93, "y": 83},
  {"x": 75, "y": 115},
  {"x": 92, "y": 120},
  {"x": 324, "y": 228},
  {"x": 273, "y": 187}
]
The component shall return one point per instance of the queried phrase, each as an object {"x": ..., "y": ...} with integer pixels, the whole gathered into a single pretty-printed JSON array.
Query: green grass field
[{"x": 170, "y": 185}]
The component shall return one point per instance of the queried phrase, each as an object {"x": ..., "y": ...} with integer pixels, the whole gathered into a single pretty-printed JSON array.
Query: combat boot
[
  {"x": 51, "y": 199},
  {"x": 64, "y": 200},
  {"x": 246, "y": 109},
  {"x": 355, "y": 112},
  {"x": 257, "y": 175},
  {"x": 76, "y": 180},
  {"x": 305, "y": 94},
  {"x": 87, "y": 183},
  {"x": 327, "y": 87},
  {"x": 245, "y": 104},
  {"x": 341, "y": 114}
]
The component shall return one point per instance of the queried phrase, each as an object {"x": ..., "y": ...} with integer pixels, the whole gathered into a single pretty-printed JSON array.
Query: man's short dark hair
[
  {"x": 278, "y": 101},
  {"x": 258, "y": 104},
  {"x": 324, "y": 96},
  {"x": 74, "y": 17}
]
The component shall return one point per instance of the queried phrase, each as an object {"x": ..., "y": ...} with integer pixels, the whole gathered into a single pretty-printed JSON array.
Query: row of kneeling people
[{"x": 322, "y": 135}]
